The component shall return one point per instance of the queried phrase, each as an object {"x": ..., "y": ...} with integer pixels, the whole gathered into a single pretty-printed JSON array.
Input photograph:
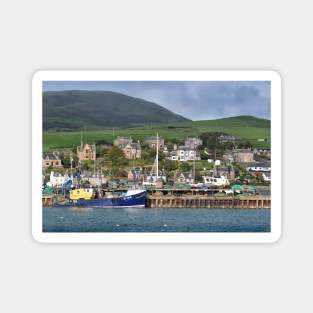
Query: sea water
[{"x": 155, "y": 220}]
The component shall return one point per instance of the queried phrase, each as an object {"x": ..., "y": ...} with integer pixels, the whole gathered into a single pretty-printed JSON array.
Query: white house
[
  {"x": 184, "y": 153},
  {"x": 259, "y": 168},
  {"x": 215, "y": 181},
  {"x": 57, "y": 179}
]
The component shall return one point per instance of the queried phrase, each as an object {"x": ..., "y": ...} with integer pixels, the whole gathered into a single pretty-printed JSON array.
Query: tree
[
  {"x": 211, "y": 141},
  {"x": 87, "y": 165},
  {"x": 66, "y": 160},
  {"x": 185, "y": 167},
  {"x": 117, "y": 159},
  {"x": 169, "y": 165},
  {"x": 198, "y": 177},
  {"x": 245, "y": 145},
  {"x": 116, "y": 156},
  {"x": 148, "y": 154}
]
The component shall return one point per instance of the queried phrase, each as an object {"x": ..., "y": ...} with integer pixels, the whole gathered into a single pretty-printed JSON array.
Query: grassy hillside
[
  {"x": 243, "y": 127},
  {"x": 70, "y": 110}
]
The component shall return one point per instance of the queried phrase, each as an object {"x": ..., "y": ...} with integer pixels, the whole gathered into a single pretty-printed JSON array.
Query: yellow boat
[{"x": 81, "y": 193}]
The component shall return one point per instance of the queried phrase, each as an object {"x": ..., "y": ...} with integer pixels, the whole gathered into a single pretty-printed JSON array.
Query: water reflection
[{"x": 80, "y": 209}]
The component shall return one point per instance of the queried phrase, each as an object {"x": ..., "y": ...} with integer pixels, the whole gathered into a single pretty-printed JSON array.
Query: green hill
[
  {"x": 70, "y": 110},
  {"x": 242, "y": 127},
  {"x": 235, "y": 121}
]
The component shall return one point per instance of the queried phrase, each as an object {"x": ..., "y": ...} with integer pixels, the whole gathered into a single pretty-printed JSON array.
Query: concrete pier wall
[{"x": 251, "y": 202}]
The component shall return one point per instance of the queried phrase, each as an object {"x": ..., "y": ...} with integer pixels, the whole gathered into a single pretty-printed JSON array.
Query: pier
[
  {"x": 179, "y": 198},
  {"x": 226, "y": 202},
  {"x": 49, "y": 200}
]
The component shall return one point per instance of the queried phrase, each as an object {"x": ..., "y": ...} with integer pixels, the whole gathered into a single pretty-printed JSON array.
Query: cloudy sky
[{"x": 196, "y": 100}]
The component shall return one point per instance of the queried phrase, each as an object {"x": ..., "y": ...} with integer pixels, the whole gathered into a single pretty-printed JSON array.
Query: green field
[{"x": 243, "y": 127}]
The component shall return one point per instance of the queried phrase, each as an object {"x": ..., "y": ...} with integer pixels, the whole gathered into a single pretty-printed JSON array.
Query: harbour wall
[{"x": 248, "y": 202}]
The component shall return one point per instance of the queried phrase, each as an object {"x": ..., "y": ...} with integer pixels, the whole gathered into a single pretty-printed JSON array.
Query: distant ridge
[
  {"x": 74, "y": 109},
  {"x": 240, "y": 120}
]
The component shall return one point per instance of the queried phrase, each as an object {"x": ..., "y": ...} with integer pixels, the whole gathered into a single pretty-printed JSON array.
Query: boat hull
[{"x": 133, "y": 201}]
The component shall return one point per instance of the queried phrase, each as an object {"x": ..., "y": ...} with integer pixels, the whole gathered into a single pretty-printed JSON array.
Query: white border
[{"x": 180, "y": 75}]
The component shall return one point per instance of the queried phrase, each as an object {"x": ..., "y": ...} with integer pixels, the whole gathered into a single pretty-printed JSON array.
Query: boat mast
[
  {"x": 194, "y": 163},
  {"x": 157, "y": 158},
  {"x": 94, "y": 160},
  {"x": 81, "y": 139},
  {"x": 71, "y": 157}
]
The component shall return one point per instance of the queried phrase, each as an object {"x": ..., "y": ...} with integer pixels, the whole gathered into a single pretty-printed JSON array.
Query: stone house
[
  {"x": 239, "y": 156},
  {"x": 121, "y": 141},
  {"x": 193, "y": 143},
  {"x": 51, "y": 159},
  {"x": 86, "y": 152},
  {"x": 132, "y": 150},
  {"x": 95, "y": 179},
  {"x": 152, "y": 142}
]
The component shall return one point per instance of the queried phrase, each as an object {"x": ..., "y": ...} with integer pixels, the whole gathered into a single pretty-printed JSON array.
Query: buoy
[
  {"x": 117, "y": 225},
  {"x": 165, "y": 225}
]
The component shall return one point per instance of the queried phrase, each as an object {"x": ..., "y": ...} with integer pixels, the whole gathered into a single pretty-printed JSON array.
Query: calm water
[{"x": 155, "y": 220}]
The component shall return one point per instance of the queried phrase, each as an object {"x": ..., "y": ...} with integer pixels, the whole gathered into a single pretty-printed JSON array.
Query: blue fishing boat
[{"x": 87, "y": 197}]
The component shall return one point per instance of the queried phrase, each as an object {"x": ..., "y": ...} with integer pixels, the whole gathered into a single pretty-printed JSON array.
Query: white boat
[{"x": 212, "y": 181}]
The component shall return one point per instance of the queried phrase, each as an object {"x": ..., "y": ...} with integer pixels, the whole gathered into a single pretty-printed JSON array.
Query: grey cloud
[{"x": 197, "y": 100}]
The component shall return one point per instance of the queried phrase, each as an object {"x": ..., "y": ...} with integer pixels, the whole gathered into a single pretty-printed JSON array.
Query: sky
[{"x": 196, "y": 100}]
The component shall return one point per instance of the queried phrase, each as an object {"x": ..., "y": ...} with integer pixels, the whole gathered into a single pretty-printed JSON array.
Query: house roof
[
  {"x": 260, "y": 165},
  {"x": 50, "y": 156},
  {"x": 133, "y": 145},
  {"x": 136, "y": 171},
  {"x": 185, "y": 174},
  {"x": 224, "y": 168}
]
